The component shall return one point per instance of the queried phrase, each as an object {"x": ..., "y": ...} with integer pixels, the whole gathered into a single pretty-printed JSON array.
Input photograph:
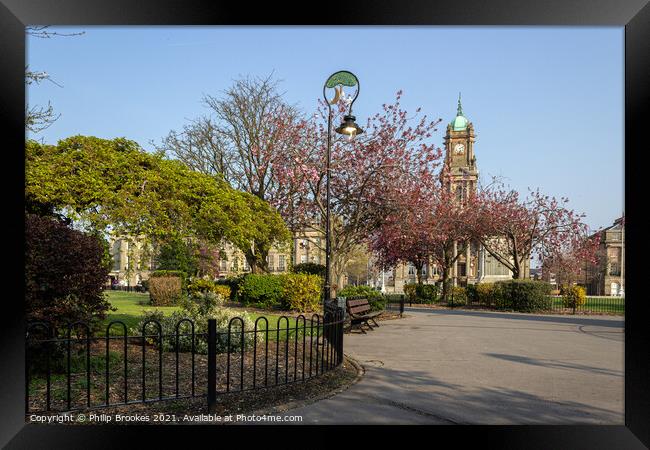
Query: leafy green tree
[
  {"x": 177, "y": 254},
  {"x": 114, "y": 185}
]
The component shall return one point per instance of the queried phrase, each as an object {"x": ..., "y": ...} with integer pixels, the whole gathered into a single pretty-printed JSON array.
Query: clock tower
[{"x": 460, "y": 174}]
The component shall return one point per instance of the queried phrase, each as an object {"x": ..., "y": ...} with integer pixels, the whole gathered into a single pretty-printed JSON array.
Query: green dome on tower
[{"x": 460, "y": 122}]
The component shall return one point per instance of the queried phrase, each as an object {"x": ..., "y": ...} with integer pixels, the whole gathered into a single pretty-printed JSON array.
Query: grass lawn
[
  {"x": 612, "y": 305},
  {"x": 130, "y": 306}
]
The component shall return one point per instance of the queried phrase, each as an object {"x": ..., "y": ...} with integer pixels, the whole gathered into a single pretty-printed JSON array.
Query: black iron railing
[
  {"x": 555, "y": 304},
  {"x": 74, "y": 369}
]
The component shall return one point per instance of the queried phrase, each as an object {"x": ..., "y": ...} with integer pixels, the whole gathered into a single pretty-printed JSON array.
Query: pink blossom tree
[
  {"x": 513, "y": 230},
  {"x": 370, "y": 176},
  {"x": 405, "y": 234},
  {"x": 573, "y": 260}
]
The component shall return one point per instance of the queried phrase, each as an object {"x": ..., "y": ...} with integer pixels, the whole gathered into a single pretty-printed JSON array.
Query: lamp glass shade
[{"x": 349, "y": 127}]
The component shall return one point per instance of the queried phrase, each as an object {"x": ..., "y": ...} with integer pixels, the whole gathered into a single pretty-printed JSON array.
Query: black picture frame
[{"x": 634, "y": 15}]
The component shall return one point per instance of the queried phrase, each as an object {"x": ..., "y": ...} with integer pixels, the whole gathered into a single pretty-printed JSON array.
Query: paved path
[{"x": 475, "y": 367}]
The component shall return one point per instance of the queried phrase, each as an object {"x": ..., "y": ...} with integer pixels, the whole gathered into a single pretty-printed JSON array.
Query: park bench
[{"x": 360, "y": 313}]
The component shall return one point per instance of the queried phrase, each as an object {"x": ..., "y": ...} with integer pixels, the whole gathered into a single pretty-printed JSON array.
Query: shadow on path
[
  {"x": 556, "y": 364},
  {"x": 396, "y": 396}
]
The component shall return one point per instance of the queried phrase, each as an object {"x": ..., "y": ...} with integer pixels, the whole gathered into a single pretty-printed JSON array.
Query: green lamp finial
[{"x": 459, "y": 112}]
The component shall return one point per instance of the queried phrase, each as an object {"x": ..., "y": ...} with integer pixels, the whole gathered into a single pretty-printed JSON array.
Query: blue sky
[{"x": 547, "y": 103}]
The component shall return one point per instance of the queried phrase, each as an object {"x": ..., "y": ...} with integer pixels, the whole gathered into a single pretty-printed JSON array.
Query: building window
[
  {"x": 270, "y": 261},
  {"x": 411, "y": 269},
  {"x": 224, "y": 265},
  {"x": 460, "y": 192},
  {"x": 462, "y": 269},
  {"x": 615, "y": 268},
  {"x": 494, "y": 267},
  {"x": 246, "y": 266},
  {"x": 303, "y": 259},
  {"x": 116, "y": 255},
  {"x": 281, "y": 266}
]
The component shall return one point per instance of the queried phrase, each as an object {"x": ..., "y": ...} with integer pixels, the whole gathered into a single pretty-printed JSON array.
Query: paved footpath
[{"x": 476, "y": 367}]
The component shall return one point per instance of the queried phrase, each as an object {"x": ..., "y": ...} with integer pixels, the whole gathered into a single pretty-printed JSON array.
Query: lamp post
[{"x": 349, "y": 128}]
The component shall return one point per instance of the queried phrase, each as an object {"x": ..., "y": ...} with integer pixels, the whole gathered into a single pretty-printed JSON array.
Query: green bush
[
  {"x": 261, "y": 291},
  {"x": 375, "y": 298},
  {"x": 309, "y": 268},
  {"x": 234, "y": 284},
  {"x": 165, "y": 290},
  {"x": 409, "y": 291},
  {"x": 206, "y": 299},
  {"x": 171, "y": 273},
  {"x": 222, "y": 290},
  {"x": 471, "y": 292},
  {"x": 421, "y": 293},
  {"x": 427, "y": 293},
  {"x": 522, "y": 295},
  {"x": 485, "y": 293},
  {"x": 301, "y": 291},
  {"x": 167, "y": 273},
  {"x": 573, "y": 296},
  {"x": 199, "y": 313},
  {"x": 459, "y": 296},
  {"x": 200, "y": 285},
  {"x": 289, "y": 291},
  {"x": 482, "y": 293}
]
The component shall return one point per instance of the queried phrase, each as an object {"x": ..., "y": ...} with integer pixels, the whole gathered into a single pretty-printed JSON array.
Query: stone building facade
[
  {"x": 608, "y": 276},
  {"x": 133, "y": 259},
  {"x": 461, "y": 176}
]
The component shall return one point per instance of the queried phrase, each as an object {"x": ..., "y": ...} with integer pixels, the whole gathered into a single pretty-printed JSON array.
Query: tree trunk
[
  {"x": 445, "y": 283},
  {"x": 418, "y": 271},
  {"x": 516, "y": 270},
  {"x": 257, "y": 261},
  {"x": 336, "y": 276}
]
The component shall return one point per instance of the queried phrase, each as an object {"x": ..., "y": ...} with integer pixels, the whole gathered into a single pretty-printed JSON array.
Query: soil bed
[{"x": 260, "y": 401}]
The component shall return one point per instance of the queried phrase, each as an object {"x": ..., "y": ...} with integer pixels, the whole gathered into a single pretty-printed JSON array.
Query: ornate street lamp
[{"x": 349, "y": 128}]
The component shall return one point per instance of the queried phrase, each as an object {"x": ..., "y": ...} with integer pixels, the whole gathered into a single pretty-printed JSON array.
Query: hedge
[
  {"x": 421, "y": 293},
  {"x": 309, "y": 268},
  {"x": 573, "y": 296},
  {"x": 171, "y": 273},
  {"x": 301, "y": 291},
  {"x": 375, "y": 298},
  {"x": 165, "y": 290},
  {"x": 234, "y": 284},
  {"x": 201, "y": 285},
  {"x": 522, "y": 295},
  {"x": 482, "y": 293},
  {"x": 458, "y": 296},
  {"x": 290, "y": 291},
  {"x": 261, "y": 291}
]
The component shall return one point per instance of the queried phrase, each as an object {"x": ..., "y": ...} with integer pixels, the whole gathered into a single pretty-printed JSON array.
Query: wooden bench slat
[
  {"x": 361, "y": 312},
  {"x": 357, "y": 302}
]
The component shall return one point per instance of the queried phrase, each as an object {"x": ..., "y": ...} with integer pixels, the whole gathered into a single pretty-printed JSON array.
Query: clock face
[{"x": 459, "y": 149}]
